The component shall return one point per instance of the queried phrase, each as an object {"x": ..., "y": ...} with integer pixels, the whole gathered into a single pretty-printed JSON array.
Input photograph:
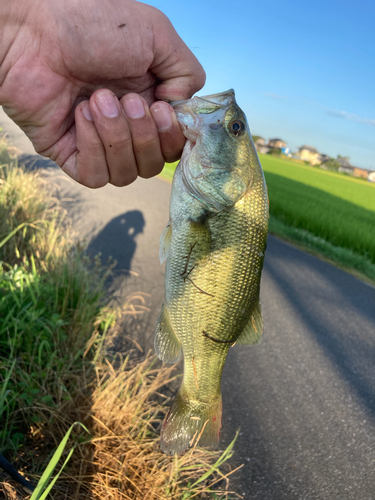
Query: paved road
[{"x": 305, "y": 397}]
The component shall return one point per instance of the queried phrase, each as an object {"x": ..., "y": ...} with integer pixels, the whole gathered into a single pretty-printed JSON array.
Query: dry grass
[
  {"x": 57, "y": 367},
  {"x": 31, "y": 219},
  {"x": 123, "y": 408}
]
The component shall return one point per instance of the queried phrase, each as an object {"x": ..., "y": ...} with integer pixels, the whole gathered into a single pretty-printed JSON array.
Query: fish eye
[{"x": 237, "y": 127}]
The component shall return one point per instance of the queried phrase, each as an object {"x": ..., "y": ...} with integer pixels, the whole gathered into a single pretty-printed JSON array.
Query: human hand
[{"x": 81, "y": 80}]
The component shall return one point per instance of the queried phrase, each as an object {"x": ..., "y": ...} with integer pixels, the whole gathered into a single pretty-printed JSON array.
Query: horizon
[{"x": 301, "y": 72}]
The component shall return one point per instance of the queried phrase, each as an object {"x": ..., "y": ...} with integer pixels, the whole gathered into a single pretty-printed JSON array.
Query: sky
[{"x": 302, "y": 71}]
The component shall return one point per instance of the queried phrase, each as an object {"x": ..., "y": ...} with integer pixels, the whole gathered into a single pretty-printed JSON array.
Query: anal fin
[
  {"x": 252, "y": 333},
  {"x": 167, "y": 345}
]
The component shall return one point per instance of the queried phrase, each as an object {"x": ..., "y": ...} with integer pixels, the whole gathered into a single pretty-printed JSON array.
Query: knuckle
[
  {"x": 146, "y": 142},
  {"x": 91, "y": 174},
  {"x": 125, "y": 180},
  {"x": 172, "y": 156},
  {"x": 119, "y": 145},
  {"x": 93, "y": 181},
  {"x": 153, "y": 168}
]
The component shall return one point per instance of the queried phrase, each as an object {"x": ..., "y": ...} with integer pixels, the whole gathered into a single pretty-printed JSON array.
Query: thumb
[{"x": 179, "y": 71}]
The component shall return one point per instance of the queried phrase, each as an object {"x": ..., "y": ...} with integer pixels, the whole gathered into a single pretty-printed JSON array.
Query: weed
[{"x": 56, "y": 368}]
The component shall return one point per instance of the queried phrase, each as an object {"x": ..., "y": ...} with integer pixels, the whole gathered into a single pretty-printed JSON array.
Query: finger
[
  {"x": 171, "y": 138},
  {"x": 114, "y": 132},
  {"x": 174, "y": 64},
  {"x": 87, "y": 164},
  {"x": 146, "y": 145}
]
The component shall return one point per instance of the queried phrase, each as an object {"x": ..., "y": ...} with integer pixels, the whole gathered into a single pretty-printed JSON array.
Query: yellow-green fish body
[{"x": 214, "y": 244}]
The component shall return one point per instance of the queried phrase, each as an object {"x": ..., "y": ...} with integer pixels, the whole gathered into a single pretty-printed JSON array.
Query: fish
[{"x": 214, "y": 246}]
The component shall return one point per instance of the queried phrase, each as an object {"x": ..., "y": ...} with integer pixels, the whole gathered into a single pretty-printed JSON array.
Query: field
[{"x": 327, "y": 213}]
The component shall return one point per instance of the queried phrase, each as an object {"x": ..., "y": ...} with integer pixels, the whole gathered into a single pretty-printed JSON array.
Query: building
[
  {"x": 310, "y": 154},
  {"x": 258, "y": 140},
  {"x": 260, "y": 144},
  {"x": 263, "y": 149},
  {"x": 371, "y": 176},
  {"x": 276, "y": 143},
  {"x": 361, "y": 172},
  {"x": 324, "y": 158},
  {"x": 347, "y": 168}
]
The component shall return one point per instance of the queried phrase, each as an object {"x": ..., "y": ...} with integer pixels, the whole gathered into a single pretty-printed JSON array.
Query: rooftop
[{"x": 309, "y": 148}]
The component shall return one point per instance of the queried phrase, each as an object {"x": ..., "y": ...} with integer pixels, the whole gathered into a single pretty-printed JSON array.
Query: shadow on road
[
  {"x": 35, "y": 162},
  {"x": 343, "y": 343},
  {"x": 117, "y": 241}
]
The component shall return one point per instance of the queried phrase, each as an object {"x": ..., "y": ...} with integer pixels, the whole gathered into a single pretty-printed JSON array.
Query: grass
[
  {"x": 327, "y": 213},
  {"x": 168, "y": 171},
  {"x": 58, "y": 367}
]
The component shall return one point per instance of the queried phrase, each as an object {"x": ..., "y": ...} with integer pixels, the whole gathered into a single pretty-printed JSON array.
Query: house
[
  {"x": 310, "y": 154},
  {"x": 260, "y": 144},
  {"x": 258, "y": 140},
  {"x": 361, "y": 172},
  {"x": 324, "y": 158},
  {"x": 263, "y": 149},
  {"x": 276, "y": 143},
  {"x": 347, "y": 168},
  {"x": 371, "y": 176}
]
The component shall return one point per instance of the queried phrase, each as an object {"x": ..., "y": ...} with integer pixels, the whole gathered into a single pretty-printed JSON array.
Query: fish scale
[{"x": 214, "y": 245}]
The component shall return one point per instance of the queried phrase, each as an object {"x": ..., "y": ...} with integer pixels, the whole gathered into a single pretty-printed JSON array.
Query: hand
[{"x": 81, "y": 79}]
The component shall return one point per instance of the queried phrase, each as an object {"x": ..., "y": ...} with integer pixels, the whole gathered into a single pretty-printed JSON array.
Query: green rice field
[{"x": 326, "y": 212}]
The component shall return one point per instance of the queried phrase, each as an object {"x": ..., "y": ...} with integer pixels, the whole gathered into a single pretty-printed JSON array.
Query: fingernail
[
  {"x": 86, "y": 111},
  {"x": 107, "y": 103},
  {"x": 162, "y": 116},
  {"x": 134, "y": 107}
]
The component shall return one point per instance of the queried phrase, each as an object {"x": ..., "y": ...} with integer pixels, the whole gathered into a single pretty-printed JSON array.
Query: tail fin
[{"x": 190, "y": 422}]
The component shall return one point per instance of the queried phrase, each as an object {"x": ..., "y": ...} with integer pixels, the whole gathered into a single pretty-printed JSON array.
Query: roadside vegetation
[
  {"x": 327, "y": 213},
  {"x": 63, "y": 386}
]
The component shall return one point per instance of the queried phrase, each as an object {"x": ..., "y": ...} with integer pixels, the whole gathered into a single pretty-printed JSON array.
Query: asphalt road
[{"x": 305, "y": 397}]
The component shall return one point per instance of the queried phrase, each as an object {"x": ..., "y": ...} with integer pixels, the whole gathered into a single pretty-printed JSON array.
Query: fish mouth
[
  {"x": 193, "y": 113},
  {"x": 221, "y": 98}
]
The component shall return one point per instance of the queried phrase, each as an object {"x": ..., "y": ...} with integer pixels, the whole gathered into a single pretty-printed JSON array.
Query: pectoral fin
[
  {"x": 200, "y": 233},
  {"x": 252, "y": 333},
  {"x": 165, "y": 243},
  {"x": 167, "y": 345}
]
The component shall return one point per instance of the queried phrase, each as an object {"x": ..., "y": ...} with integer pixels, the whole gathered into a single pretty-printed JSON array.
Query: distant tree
[
  {"x": 274, "y": 151},
  {"x": 256, "y": 137},
  {"x": 332, "y": 164}
]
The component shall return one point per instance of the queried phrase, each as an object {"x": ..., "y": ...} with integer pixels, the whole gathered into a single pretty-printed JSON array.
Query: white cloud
[{"x": 350, "y": 116}]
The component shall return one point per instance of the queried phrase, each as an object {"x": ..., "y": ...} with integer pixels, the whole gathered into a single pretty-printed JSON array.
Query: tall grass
[{"x": 57, "y": 368}]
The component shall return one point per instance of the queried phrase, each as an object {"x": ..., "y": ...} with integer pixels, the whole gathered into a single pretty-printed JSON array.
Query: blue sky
[{"x": 302, "y": 71}]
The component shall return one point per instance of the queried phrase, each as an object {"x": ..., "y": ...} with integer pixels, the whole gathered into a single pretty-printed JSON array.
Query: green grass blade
[
  {"x": 225, "y": 456},
  {"x": 42, "y": 485},
  {"x": 12, "y": 233}
]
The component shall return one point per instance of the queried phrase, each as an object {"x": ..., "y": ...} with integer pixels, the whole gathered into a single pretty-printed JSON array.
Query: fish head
[{"x": 218, "y": 156}]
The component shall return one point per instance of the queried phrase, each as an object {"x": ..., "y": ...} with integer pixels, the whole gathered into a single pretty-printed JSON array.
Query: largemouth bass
[{"x": 214, "y": 245}]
